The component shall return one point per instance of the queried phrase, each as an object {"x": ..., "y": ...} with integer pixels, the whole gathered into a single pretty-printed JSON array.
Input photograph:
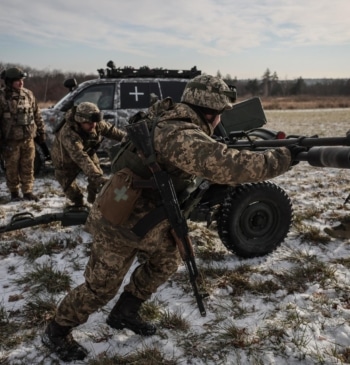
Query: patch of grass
[
  {"x": 238, "y": 282},
  {"x": 235, "y": 336},
  {"x": 275, "y": 333},
  {"x": 343, "y": 355},
  {"x": 310, "y": 233},
  {"x": 174, "y": 321},
  {"x": 38, "y": 250},
  {"x": 55, "y": 245},
  {"x": 299, "y": 256},
  {"x": 146, "y": 356},
  {"x": 3, "y": 315},
  {"x": 9, "y": 335},
  {"x": 150, "y": 311},
  {"x": 345, "y": 261},
  {"x": 206, "y": 254},
  {"x": 9, "y": 338},
  {"x": 299, "y": 277},
  {"x": 39, "y": 310},
  {"x": 45, "y": 277},
  {"x": 264, "y": 287},
  {"x": 9, "y": 246},
  {"x": 306, "y": 214},
  {"x": 201, "y": 348}
]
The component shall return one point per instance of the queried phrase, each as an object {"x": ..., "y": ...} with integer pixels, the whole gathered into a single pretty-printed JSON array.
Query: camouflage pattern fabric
[
  {"x": 190, "y": 151},
  {"x": 208, "y": 92},
  {"x": 19, "y": 164},
  {"x": 184, "y": 149},
  {"x": 20, "y": 121},
  {"x": 74, "y": 150},
  {"x": 19, "y": 115},
  {"x": 112, "y": 253}
]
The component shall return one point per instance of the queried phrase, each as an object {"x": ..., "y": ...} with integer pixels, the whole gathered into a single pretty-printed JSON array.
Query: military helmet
[
  {"x": 209, "y": 92},
  {"x": 14, "y": 73},
  {"x": 87, "y": 112}
]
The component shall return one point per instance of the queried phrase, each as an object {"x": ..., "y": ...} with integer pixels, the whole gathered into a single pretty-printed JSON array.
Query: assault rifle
[
  {"x": 70, "y": 216},
  {"x": 141, "y": 138},
  {"x": 320, "y": 151}
]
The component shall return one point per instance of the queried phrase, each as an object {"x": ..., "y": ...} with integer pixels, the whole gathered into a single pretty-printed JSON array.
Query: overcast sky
[{"x": 294, "y": 38}]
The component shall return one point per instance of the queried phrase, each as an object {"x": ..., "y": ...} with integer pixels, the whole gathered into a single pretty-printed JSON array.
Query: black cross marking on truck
[{"x": 136, "y": 93}]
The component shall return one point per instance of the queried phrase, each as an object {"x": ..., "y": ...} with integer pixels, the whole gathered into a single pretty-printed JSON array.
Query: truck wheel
[{"x": 254, "y": 219}]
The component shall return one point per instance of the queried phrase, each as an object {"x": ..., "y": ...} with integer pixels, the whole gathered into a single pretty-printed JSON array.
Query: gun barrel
[
  {"x": 337, "y": 157},
  {"x": 301, "y": 141}
]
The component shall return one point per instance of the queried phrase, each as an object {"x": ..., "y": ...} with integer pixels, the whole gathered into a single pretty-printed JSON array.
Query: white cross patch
[
  {"x": 136, "y": 93},
  {"x": 120, "y": 194}
]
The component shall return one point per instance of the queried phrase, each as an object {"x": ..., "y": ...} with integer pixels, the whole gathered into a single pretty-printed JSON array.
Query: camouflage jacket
[
  {"x": 184, "y": 148},
  {"x": 20, "y": 116},
  {"x": 75, "y": 149}
]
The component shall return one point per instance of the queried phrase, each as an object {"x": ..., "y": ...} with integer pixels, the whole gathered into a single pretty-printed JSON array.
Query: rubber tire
[{"x": 254, "y": 219}]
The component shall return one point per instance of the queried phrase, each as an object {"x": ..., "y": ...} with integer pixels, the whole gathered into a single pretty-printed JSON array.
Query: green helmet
[
  {"x": 14, "y": 73},
  {"x": 209, "y": 92},
  {"x": 87, "y": 112}
]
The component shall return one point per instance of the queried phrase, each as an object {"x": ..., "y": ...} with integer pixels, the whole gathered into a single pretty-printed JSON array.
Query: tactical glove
[
  {"x": 97, "y": 184},
  {"x": 101, "y": 181},
  {"x": 294, "y": 150}
]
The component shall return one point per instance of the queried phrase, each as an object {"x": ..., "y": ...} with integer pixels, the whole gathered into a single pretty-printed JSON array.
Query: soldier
[
  {"x": 74, "y": 150},
  {"x": 20, "y": 123},
  {"x": 184, "y": 149}
]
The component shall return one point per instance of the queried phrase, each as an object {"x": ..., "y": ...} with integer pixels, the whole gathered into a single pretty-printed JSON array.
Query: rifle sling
[{"x": 149, "y": 221}]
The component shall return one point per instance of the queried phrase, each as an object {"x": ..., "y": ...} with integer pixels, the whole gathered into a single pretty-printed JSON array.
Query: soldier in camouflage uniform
[
  {"x": 74, "y": 150},
  {"x": 185, "y": 150},
  {"x": 20, "y": 123}
]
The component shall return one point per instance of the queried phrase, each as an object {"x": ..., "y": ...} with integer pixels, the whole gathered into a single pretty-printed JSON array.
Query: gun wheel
[{"x": 254, "y": 219}]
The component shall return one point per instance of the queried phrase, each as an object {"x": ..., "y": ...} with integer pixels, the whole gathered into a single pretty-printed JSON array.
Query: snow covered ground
[{"x": 290, "y": 307}]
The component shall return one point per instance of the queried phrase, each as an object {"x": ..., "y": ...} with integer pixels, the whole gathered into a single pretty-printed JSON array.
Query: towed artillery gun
[{"x": 252, "y": 219}]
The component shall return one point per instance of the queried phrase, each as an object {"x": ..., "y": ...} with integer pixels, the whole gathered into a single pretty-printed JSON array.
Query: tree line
[
  {"x": 271, "y": 85},
  {"x": 47, "y": 85}
]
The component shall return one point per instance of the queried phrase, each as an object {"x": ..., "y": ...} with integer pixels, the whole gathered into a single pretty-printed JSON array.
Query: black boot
[
  {"x": 125, "y": 315},
  {"x": 30, "y": 196},
  {"x": 15, "y": 196},
  {"x": 78, "y": 201},
  {"x": 60, "y": 340}
]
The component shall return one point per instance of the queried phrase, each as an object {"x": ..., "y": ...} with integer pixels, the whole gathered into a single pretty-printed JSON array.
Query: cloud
[
  {"x": 205, "y": 26},
  {"x": 245, "y": 35}
]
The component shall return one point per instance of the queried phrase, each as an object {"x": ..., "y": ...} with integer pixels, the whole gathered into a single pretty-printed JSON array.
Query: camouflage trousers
[
  {"x": 67, "y": 179},
  {"x": 112, "y": 254},
  {"x": 19, "y": 164}
]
